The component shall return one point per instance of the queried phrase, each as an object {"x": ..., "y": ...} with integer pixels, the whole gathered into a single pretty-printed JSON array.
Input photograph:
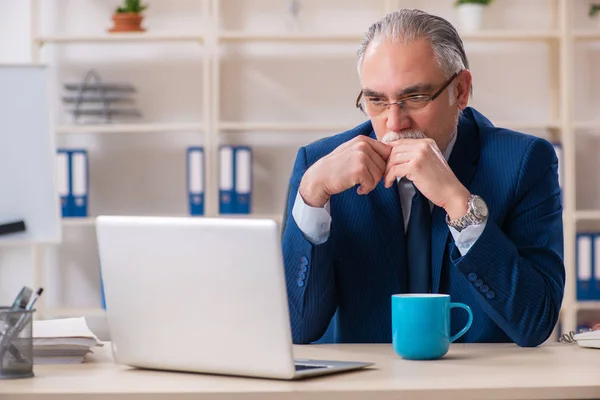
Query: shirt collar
[{"x": 450, "y": 146}]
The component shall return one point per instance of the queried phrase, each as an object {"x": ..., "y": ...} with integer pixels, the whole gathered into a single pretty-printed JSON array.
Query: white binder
[
  {"x": 584, "y": 266},
  {"x": 79, "y": 163}
]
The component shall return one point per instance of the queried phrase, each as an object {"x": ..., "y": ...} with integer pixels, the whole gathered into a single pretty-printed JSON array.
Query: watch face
[{"x": 480, "y": 207}]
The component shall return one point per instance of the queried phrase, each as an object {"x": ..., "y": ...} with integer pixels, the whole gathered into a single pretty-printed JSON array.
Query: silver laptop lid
[{"x": 196, "y": 294}]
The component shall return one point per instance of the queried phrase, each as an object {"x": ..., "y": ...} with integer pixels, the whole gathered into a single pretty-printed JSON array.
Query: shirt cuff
[
  {"x": 314, "y": 222},
  {"x": 466, "y": 238}
]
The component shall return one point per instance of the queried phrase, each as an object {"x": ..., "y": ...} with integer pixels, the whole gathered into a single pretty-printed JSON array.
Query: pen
[{"x": 34, "y": 299}]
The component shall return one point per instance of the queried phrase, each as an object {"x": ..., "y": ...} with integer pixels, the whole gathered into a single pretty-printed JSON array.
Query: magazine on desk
[{"x": 62, "y": 341}]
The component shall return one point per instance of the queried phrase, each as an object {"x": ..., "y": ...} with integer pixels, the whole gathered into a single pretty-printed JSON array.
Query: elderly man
[{"x": 427, "y": 196}]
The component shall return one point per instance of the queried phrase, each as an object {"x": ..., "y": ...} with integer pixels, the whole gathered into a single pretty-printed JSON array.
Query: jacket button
[
  {"x": 478, "y": 283},
  {"x": 490, "y": 295},
  {"x": 302, "y": 276},
  {"x": 300, "y": 282},
  {"x": 304, "y": 261},
  {"x": 484, "y": 289},
  {"x": 472, "y": 276}
]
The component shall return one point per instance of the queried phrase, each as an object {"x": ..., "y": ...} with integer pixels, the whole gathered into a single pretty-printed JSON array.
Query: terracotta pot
[{"x": 127, "y": 22}]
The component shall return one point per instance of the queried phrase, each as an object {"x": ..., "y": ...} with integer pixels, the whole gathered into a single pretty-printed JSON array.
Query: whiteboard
[{"x": 27, "y": 155}]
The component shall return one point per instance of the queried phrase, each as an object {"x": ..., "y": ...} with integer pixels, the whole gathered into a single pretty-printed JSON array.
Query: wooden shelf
[
  {"x": 290, "y": 37},
  {"x": 587, "y": 215},
  {"x": 283, "y": 126},
  {"x": 79, "y": 221},
  {"x": 588, "y": 305},
  {"x": 130, "y": 128},
  {"x": 319, "y": 127},
  {"x": 73, "y": 312},
  {"x": 587, "y": 125},
  {"x": 510, "y": 35},
  {"x": 491, "y": 35},
  {"x": 587, "y": 35},
  {"x": 119, "y": 37},
  {"x": 91, "y": 221},
  {"x": 276, "y": 217},
  {"x": 525, "y": 125}
]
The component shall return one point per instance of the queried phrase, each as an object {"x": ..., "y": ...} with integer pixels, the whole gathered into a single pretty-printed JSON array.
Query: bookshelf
[
  {"x": 130, "y": 128},
  {"x": 146, "y": 37},
  {"x": 560, "y": 36}
]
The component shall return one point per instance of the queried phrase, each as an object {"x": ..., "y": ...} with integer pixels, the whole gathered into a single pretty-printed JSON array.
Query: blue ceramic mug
[{"x": 421, "y": 325}]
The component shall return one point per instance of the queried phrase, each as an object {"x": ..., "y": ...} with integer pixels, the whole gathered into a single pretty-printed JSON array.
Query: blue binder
[
  {"x": 226, "y": 180},
  {"x": 243, "y": 179},
  {"x": 63, "y": 180},
  {"x": 584, "y": 260},
  {"x": 195, "y": 180},
  {"x": 80, "y": 187}
]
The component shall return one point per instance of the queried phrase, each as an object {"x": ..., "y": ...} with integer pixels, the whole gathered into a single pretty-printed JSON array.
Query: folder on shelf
[
  {"x": 79, "y": 169},
  {"x": 243, "y": 179},
  {"x": 584, "y": 260},
  {"x": 226, "y": 179},
  {"x": 195, "y": 180},
  {"x": 63, "y": 180}
]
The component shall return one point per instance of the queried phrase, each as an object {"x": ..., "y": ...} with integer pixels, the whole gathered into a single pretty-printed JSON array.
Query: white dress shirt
[{"x": 315, "y": 222}]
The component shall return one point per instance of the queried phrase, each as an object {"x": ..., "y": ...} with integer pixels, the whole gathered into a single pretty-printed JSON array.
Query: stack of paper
[{"x": 62, "y": 341}]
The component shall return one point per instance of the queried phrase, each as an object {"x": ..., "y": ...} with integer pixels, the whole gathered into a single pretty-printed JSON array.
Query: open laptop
[{"x": 200, "y": 295}]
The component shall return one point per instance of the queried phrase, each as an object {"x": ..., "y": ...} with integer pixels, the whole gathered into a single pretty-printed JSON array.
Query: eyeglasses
[{"x": 375, "y": 107}]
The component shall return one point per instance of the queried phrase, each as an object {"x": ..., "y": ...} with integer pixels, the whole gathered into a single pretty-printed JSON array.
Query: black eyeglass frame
[{"x": 401, "y": 101}]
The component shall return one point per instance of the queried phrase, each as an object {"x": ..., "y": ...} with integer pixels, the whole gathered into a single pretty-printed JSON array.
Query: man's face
[{"x": 392, "y": 71}]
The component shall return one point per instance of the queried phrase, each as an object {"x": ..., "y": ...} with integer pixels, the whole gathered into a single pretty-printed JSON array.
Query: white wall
[{"x": 145, "y": 173}]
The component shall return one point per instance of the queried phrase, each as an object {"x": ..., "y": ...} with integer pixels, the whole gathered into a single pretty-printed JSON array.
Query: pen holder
[{"x": 16, "y": 343}]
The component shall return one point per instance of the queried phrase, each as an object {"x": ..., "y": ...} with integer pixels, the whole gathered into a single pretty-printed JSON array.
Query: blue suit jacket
[{"x": 512, "y": 277}]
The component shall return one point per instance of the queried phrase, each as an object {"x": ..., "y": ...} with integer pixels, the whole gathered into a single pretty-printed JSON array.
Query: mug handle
[{"x": 469, "y": 322}]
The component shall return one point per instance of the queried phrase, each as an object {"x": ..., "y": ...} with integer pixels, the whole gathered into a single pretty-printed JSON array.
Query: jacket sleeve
[
  {"x": 309, "y": 271},
  {"x": 517, "y": 269}
]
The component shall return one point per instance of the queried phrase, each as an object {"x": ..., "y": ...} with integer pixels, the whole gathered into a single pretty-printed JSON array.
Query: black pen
[{"x": 34, "y": 299}]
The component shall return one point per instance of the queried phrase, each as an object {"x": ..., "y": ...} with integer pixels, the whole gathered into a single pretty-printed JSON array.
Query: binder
[
  {"x": 63, "y": 175},
  {"x": 79, "y": 170},
  {"x": 195, "y": 180},
  {"x": 243, "y": 179},
  {"x": 596, "y": 269},
  {"x": 584, "y": 260},
  {"x": 226, "y": 179}
]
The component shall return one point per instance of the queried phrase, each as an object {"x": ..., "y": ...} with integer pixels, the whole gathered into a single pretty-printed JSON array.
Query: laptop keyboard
[{"x": 302, "y": 367}]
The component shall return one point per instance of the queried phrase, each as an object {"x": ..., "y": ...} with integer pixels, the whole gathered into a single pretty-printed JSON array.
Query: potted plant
[
  {"x": 470, "y": 13},
  {"x": 128, "y": 17},
  {"x": 594, "y": 11}
]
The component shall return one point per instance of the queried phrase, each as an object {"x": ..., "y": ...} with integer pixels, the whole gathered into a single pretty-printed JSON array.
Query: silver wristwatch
[{"x": 477, "y": 213}]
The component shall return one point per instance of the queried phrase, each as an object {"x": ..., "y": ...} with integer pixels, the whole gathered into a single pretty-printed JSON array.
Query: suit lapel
[{"x": 462, "y": 162}]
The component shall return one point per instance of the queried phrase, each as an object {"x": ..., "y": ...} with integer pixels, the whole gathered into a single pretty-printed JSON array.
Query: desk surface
[{"x": 468, "y": 371}]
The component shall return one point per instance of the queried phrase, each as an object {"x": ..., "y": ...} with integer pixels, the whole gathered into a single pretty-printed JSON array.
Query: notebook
[{"x": 62, "y": 341}]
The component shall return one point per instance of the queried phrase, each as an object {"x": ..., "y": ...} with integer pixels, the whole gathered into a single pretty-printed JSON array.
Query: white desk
[{"x": 553, "y": 371}]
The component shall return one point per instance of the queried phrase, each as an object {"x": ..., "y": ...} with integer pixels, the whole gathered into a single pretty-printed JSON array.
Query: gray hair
[{"x": 408, "y": 25}]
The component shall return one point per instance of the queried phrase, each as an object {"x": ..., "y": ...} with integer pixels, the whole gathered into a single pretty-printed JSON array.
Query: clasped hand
[{"x": 365, "y": 161}]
